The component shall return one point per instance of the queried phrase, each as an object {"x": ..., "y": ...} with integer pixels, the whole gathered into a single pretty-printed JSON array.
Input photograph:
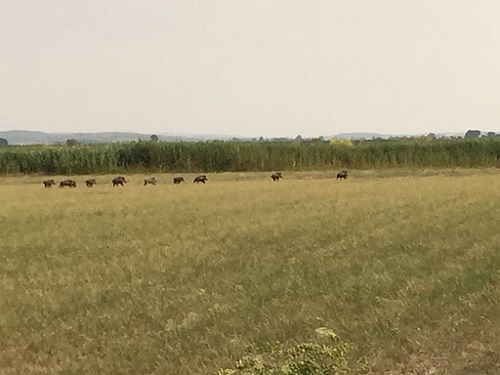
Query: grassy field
[{"x": 180, "y": 279}]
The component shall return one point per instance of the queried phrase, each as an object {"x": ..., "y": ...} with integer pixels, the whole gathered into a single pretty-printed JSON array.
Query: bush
[{"x": 329, "y": 357}]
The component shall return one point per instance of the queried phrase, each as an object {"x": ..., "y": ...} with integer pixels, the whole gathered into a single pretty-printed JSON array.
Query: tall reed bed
[{"x": 225, "y": 156}]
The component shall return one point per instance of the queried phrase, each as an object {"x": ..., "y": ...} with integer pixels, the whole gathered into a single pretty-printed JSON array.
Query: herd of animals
[{"x": 120, "y": 180}]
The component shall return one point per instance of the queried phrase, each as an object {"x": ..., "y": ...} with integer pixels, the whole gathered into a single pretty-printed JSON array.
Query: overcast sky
[{"x": 250, "y": 67}]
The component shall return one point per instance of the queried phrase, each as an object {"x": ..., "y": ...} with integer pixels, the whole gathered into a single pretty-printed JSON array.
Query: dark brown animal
[
  {"x": 68, "y": 183},
  {"x": 342, "y": 175},
  {"x": 276, "y": 176},
  {"x": 48, "y": 183},
  {"x": 201, "y": 178},
  {"x": 151, "y": 181},
  {"x": 90, "y": 182},
  {"x": 178, "y": 180},
  {"x": 120, "y": 180}
]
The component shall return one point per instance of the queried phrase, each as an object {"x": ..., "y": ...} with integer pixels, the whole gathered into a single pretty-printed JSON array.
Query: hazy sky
[{"x": 250, "y": 67}]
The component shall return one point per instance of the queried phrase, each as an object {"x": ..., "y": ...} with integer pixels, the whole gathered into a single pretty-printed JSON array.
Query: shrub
[{"x": 327, "y": 357}]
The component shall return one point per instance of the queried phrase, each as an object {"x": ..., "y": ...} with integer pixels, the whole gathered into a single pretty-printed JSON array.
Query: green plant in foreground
[{"x": 329, "y": 357}]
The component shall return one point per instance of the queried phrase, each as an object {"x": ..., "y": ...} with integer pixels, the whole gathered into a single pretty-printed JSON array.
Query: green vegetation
[
  {"x": 220, "y": 156},
  {"x": 181, "y": 279},
  {"x": 327, "y": 358}
]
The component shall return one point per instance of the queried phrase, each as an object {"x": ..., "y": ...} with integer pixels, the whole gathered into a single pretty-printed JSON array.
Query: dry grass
[{"x": 179, "y": 279}]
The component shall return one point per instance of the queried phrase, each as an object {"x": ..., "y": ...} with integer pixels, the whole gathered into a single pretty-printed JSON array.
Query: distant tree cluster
[
  {"x": 431, "y": 136},
  {"x": 473, "y": 134},
  {"x": 72, "y": 142},
  {"x": 477, "y": 134},
  {"x": 3, "y": 142}
]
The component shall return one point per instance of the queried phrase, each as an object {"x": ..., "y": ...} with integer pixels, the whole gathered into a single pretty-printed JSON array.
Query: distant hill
[
  {"x": 27, "y": 137},
  {"x": 386, "y": 136},
  {"x": 360, "y": 135}
]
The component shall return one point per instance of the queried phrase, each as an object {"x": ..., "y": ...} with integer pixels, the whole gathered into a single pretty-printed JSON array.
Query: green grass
[{"x": 180, "y": 279}]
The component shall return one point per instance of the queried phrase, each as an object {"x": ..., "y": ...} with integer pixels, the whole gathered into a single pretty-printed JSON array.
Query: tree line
[{"x": 225, "y": 156}]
